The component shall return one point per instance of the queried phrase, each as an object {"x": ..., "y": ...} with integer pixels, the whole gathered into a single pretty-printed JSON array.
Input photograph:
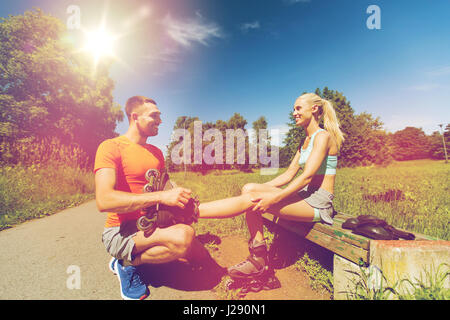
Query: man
[{"x": 120, "y": 167}]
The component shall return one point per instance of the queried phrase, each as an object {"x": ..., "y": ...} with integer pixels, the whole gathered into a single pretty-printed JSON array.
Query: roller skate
[
  {"x": 156, "y": 181},
  {"x": 253, "y": 274},
  {"x": 147, "y": 223},
  {"x": 160, "y": 215}
]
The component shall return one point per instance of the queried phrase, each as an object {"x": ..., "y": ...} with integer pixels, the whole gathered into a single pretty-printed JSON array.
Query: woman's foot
[{"x": 255, "y": 265}]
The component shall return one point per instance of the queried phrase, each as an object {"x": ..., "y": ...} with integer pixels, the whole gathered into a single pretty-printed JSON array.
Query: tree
[
  {"x": 365, "y": 142},
  {"x": 294, "y": 137},
  {"x": 229, "y": 138},
  {"x": 258, "y": 139},
  {"x": 236, "y": 136},
  {"x": 410, "y": 143},
  {"x": 48, "y": 91},
  {"x": 181, "y": 143},
  {"x": 436, "y": 145}
]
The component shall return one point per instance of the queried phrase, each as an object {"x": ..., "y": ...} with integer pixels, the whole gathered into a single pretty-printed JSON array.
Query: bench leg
[
  {"x": 343, "y": 277},
  {"x": 390, "y": 263},
  {"x": 347, "y": 276},
  {"x": 406, "y": 263}
]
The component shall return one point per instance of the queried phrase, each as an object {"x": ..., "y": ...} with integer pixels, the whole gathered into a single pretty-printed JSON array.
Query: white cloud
[
  {"x": 166, "y": 60},
  {"x": 443, "y": 71},
  {"x": 136, "y": 19},
  {"x": 430, "y": 81},
  {"x": 192, "y": 30},
  {"x": 425, "y": 87},
  {"x": 245, "y": 27},
  {"x": 166, "y": 56}
]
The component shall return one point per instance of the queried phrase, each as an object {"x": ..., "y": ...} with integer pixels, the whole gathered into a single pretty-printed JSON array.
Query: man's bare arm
[{"x": 111, "y": 200}]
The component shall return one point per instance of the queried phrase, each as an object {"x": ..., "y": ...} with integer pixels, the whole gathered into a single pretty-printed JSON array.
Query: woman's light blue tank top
[{"x": 328, "y": 165}]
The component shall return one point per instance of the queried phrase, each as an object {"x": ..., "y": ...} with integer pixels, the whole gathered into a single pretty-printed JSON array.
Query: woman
[{"x": 307, "y": 198}]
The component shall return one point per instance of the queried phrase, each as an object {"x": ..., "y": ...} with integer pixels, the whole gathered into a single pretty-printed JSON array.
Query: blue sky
[{"x": 212, "y": 58}]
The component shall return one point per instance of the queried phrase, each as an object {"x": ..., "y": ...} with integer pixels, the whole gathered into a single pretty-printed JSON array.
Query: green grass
[
  {"x": 420, "y": 204},
  {"x": 420, "y": 188},
  {"x": 319, "y": 278},
  {"x": 37, "y": 191},
  {"x": 423, "y": 186},
  {"x": 430, "y": 286},
  {"x": 412, "y": 195}
]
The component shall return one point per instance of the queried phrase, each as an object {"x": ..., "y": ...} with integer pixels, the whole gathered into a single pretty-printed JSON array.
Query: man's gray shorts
[
  {"x": 322, "y": 202},
  {"x": 119, "y": 241}
]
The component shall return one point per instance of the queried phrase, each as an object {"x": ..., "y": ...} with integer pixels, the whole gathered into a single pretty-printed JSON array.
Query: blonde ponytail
[{"x": 331, "y": 122}]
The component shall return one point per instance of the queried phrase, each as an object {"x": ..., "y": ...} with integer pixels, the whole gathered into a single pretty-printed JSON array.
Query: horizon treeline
[
  {"x": 366, "y": 142},
  {"x": 54, "y": 109}
]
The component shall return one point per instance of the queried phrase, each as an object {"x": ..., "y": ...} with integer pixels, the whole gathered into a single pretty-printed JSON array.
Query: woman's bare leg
[
  {"x": 292, "y": 208},
  {"x": 230, "y": 207},
  {"x": 226, "y": 208},
  {"x": 254, "y": 219}
]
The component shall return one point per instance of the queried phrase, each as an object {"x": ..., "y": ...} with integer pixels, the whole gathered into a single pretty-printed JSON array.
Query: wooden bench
[
  {"x": 392, "y": 260},
  {"x": 342, "y": 242}
]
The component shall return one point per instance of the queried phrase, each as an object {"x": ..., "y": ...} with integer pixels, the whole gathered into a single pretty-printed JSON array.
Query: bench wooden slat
[
  {"x": 344, "y": 235},
  {"x": 335, "y": 231},
  {"x": 335, "y": 241},
  {"x": 334, "y": 238}
]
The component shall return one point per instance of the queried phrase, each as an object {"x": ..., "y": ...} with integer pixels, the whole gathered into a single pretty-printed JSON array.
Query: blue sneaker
[
  {"x": 112, "y": 264},
  {"x": 131, "y": 285}
]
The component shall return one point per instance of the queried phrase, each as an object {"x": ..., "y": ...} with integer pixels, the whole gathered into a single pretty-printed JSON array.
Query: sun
[
  {"x": 105, "y": 44},
  {"x": 100, "y": 44}
]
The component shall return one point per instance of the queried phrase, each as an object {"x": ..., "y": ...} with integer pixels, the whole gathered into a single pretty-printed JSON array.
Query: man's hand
[{"x": 178, "y": 197}]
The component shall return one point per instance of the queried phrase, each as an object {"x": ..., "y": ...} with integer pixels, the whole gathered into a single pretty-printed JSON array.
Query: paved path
[{"x": 36, "y": 260}]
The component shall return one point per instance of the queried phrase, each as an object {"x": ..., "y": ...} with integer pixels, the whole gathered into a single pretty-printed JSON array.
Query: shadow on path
[
  {"x": 287, "y": 248},
  {"x": 203, "y": 275}
]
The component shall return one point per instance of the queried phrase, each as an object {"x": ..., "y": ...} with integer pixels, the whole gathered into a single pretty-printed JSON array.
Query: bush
[
  {"x": 35, "y": 191},
  {"x": 41, "y": 151}
]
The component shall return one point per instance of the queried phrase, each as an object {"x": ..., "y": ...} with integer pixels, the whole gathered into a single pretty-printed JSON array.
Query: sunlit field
[{"x": 412, "y": 195}]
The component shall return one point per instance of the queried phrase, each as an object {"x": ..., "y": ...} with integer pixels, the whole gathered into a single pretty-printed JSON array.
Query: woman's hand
[{"x": 264, "y": 201}]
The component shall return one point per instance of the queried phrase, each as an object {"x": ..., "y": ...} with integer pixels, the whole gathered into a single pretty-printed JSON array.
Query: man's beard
[{"x": 148, "y": 131}]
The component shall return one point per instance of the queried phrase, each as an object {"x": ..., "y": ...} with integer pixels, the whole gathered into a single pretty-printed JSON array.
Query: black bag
[{"x": 375, "y": 228}]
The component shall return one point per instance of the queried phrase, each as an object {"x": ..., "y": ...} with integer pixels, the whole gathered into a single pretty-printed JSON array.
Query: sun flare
[
  {"x": 100, "y": 44},
  {"x": 106, "y": 45}
]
